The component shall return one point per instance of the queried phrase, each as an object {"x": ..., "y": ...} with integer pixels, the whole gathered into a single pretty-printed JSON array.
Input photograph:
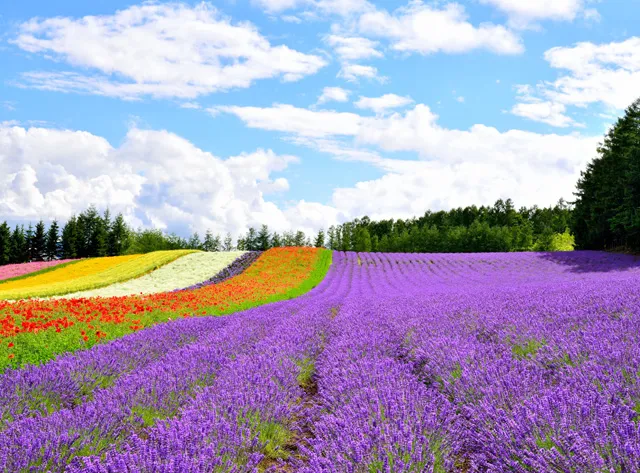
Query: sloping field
[
  {"x": 12, "y": 271},
  {"x": 403, "y": 363},
  {"x": 37, "y": 330},
  {"x": 184, "y": 272},
  {"x": 87, "y": 274}
]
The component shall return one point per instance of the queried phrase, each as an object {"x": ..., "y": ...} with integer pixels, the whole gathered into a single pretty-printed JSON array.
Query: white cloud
[
  {"x": 382, "y": 104},
  {"x": 523, "y": 13},
  {"x": 353, "y": 72},
  {"x": 426, "y": 29},
  {"x": 162, "y": 50},
  {"x": 460, "y": 99},
  {"x": 546, "y": 112},
  {"x": 607, "y": 74},
  {"x": 333, "y": 7},
  {"x": 47, "y": 173},
  {"x": 291, "y": 19},
  {"x": 300, "y": 121},
  {"x": 334, "y": 94},
  {"x": 353, "y": 48},
  {"x": 456, "y": 167},
  {"x": 190, "y": 105}
]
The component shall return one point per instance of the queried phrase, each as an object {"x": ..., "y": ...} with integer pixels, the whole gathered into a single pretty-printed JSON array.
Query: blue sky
[{"x": 304, "y": 113}]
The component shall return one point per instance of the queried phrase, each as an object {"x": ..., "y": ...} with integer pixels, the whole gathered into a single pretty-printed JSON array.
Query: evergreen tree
[
  {"x": 228, "y": 243},
  {"x": 70, "y": 239},
  {"x": 209, "y": 243},
  {"x": 299, "y": 239},
  {"x": 608, "y": 191},
  {"x": 5, "y": 244},
  {"x": 194, "y": 242},
  {"x": 276, "y": 240},
  {"x": 263, "y": 240},
  {"x": 119, "y": 236},
  {"x": 52, "y": 241},
  {"x": 28, "y": 248},
  {"x": 319, "y": 242},
  {"x": 19, "y": 248},
  {"x": 38, "y": 242},
  {"x": 251, "y": 240},
  {"x": 332, "y": 237}
]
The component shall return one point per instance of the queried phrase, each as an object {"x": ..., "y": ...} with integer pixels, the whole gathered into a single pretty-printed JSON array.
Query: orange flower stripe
[{"x": 276, "y": 271}]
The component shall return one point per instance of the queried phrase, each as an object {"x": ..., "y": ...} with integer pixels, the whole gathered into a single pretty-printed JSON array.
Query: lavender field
[{"x": 515, "y": 362}]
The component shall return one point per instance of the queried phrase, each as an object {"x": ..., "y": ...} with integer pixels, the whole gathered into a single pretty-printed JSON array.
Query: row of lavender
[{"x": 395, "y": 363}]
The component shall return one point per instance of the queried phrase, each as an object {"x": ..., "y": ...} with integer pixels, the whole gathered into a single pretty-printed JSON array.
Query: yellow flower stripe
[{"x": 88, "y": 274}]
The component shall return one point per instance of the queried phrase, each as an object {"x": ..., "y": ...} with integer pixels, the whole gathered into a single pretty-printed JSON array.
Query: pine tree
[
  {"x": 608, "y": 191},
  {"x": 19, "y": 248},
  {"x": 38, "y": 242},
  {"x": 28, "y": 245},
  {"x": 251, "y": 240},
  {"x": 228, "y": 243},
  {"x": 119, "y": 236},
  {"x": 208, "y": 243},
  {"x": 300, "y": 239},
  {"x": 263, "y": 239},
  {"x": 52, "y": 241},
  {"x": 332, "y": 238},
  {"x": 5, "y": 243},
  {"x": 70, "y": 239},
  {"x": 319, "y": 243},
  {"x": 194, "y": 242},
  {"x": 276, "y": 241}
]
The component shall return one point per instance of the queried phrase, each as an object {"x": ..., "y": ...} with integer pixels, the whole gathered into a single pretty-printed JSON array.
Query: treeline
[
  {"x": 607, "y": 206},
  {"x": 91, "y": 234},
  {"x": 471, "y": 229}
]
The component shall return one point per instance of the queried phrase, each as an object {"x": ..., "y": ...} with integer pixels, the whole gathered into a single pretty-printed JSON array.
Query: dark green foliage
[
  {"x": 52, "y": 242},
  {"x": 70, "y": 239},
  {"x": 228, "y": 243},
  {"x": 119, "y": 236},
  {"x": 472, "y": 229},
  {"x": 319, "y": 242},
  {"x": 211, "y": 243},
  {"x": 38, "y": 242},
  {"x": 5, "y": 244},
  {"x": 263, "y": 240},
  {"x": 607, "y": 206},
  {"x": 194, "y": 242}
]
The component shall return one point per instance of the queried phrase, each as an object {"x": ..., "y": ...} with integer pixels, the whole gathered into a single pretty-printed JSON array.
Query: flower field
[
  {"x": 184, "y": 272},
  {"x": 87, "y": 274},
  {"x": 11, "y": 271},
  {"x": 519, "y": 362},
  {"x": 34, "y": 331}
]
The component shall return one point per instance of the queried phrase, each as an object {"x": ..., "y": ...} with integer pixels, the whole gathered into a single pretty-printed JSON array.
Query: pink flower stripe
[{"x": 14, "y": 270}]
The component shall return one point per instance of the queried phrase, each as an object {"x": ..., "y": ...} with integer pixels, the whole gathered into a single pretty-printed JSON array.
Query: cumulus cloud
[
  {"x": 383, "y": 104},
  {"x": 545, "y": 112},
  {"x": 353, "y": 48},
  {"x": 353, "y": 72},
  {"x": 334, "y": 94},
  {"x": 606, "y": 74},
  {"x": 427, "y": 29},
  {"x": 523, "y": 13},
  {"x": 162, "y": 50},
  {"x": 453, "y": 167},
  {"x": 333, "y": 7},
  {"x": 47, "y": 173}
]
